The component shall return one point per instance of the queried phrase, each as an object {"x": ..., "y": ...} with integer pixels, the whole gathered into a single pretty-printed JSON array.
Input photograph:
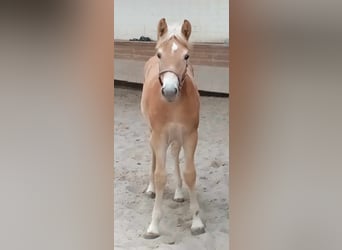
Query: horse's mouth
[
  {"x": 170, "y": 94},
  {"x": 170, "y": 99}
]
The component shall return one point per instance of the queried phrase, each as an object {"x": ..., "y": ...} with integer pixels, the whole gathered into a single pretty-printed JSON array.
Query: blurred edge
[
  {"x": 285, "y": 125},
  {"x": 56, "y": 107}
]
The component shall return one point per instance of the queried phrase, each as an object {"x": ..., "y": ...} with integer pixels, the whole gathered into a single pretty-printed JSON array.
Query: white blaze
[
  {"x": 170, "y": 81},
  {"x": 174, "y": 47}
]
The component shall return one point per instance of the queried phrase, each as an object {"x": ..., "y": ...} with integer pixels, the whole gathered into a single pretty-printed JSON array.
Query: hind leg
[
  {"x": 190, "y": 143},
  {"x": 175, "y": 149}
]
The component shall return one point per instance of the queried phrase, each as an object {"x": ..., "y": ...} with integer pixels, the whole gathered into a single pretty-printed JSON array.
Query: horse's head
[{"x": 172, "y": 51}]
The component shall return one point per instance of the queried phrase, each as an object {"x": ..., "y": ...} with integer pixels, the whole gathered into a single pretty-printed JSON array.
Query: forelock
[{"x": 174, "y": 30}]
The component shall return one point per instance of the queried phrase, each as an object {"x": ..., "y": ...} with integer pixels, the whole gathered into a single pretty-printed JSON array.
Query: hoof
[
  {"x": 151, "y": 194},
  {"x": 150, "y": 236},
  {"x": 179, "y": 199},
  {"x": 197, "y": 230}
]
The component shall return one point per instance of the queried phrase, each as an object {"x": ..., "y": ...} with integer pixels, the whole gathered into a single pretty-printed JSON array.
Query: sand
[{"x": 133, "y": 209}]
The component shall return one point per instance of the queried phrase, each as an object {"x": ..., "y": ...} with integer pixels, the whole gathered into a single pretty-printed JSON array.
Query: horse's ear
[
  {"x": 162, "y": 27},
  {"x": 186, "y": 29}
]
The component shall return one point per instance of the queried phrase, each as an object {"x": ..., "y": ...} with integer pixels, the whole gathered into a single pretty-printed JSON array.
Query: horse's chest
[{"x": 175, "y": 132}]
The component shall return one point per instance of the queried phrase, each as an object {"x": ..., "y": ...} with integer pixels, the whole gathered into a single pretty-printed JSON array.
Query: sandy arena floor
[{"x": 133, "y": 209}]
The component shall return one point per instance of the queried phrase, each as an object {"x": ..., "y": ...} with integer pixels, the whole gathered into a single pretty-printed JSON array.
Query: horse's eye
[
  {"x": 159, "y": 55},
  {"x": 186, "y": 57}
]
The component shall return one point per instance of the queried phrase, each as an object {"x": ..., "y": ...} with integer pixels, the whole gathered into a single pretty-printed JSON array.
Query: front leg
[{"x": 159, "y": 146}]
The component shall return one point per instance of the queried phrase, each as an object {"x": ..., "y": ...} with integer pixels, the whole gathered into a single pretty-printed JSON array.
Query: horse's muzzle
[{"x": 169, "y": 93}]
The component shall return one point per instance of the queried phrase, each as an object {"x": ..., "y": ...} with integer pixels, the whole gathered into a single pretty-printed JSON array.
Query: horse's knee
[
  {"x": 190, "y": 177},
  {"x": 159, "y": 178}
]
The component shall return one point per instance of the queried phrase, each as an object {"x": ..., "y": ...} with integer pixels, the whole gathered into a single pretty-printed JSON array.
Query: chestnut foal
[{"x": 170, "y": 104}]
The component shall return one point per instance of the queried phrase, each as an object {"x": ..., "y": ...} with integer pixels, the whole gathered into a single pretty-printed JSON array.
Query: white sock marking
[
  {"x": 196, "y": 222},
  {"x": 178, "y": 194},
  {"x": 153, "y": 228},
  {"x": 150, "y": 188}
]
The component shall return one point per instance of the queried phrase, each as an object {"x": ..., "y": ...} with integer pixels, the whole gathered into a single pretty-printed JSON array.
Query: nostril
[{"x": 169, "y": 92}]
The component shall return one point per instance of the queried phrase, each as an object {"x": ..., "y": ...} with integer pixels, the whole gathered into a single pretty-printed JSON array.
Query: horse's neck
[
  {"x": 190, "y": 71},
  {"x": 151, "y": 66}
]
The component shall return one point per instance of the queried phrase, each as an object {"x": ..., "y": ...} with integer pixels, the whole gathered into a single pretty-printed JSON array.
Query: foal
[{"x": 170, "y": 104}]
